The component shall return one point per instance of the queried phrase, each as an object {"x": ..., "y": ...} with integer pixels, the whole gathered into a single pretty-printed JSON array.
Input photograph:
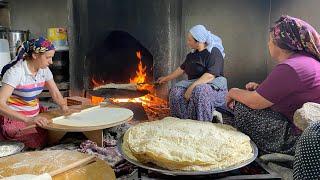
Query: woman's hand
[
  {"x": 68, "y": 111},
  {"x": 39, "y": 121},
  {"x": 162, "y": 80},
  {"x": 230, "y": 102},
  {"x": 252, "y": 86},
  {"x": 188, "y": 93}
]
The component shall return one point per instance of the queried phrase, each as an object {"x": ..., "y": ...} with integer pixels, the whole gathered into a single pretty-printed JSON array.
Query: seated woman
[
  {"x": 22, "y": 81},
  {"x": 265, "y": 111},
  {"x": 206, "y": 88}
]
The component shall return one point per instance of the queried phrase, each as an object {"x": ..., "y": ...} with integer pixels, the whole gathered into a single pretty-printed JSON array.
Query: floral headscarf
[
  {"x": 40, "y": 45},
  {"x": 296, "y": 35}
]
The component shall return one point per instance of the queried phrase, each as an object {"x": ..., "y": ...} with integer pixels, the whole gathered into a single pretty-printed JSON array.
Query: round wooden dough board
[
  {"x": 39, "y": 162},
  {"x": 109, "y": 123}
]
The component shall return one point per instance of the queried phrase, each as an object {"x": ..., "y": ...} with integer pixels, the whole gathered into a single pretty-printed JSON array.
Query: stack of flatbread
[
  {"x": 129, "y": 86},
  {"x": 188, "y": 145}
]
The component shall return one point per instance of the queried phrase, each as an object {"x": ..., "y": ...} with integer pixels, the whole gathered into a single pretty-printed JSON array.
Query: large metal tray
[
  {"x": 156, "y": 168},
  {"x": 19, "y": 147}
]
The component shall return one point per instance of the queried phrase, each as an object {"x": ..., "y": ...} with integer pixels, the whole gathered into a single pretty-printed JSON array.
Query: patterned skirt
[
  {"x": 200, "y": 106},
  {"x": 32, "y": 138},
  {"x": 307, "y": 157},
  {"x": 271, "y": 131}
]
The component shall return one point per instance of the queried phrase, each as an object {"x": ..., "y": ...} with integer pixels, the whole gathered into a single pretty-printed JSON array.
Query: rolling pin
[
  {"x": 26, "y": 128},
  {"x": 78, "y": 163},
  {"x": 34, "y": 126}
]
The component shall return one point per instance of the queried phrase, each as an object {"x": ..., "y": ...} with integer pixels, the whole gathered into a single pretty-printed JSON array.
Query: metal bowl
[
  {"x": 156, "y": 168},
  {"x": 17, "y": 147}
]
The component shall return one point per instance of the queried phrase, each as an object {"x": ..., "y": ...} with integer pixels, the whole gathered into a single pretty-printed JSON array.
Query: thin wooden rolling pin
[
  {"x": 29, "y": 127},
  {"x": 26, "y": 128},
  {"x": 75, "y": 164},
  {"x": 33, "y": 126}
]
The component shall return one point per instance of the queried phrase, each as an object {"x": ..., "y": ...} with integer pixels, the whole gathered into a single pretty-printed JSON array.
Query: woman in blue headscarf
[{"x": 206, "y": 87}]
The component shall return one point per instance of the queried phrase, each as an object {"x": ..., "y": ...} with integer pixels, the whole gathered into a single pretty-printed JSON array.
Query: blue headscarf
[
  {"x": 201, "y": 34},
  {"x": 40, "y": 45}
]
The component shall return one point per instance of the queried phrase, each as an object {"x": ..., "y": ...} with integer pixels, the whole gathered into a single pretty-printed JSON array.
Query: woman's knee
[
  {"x": 239, "y": 107},
  {"x": 176, "y": 91},
  {"x": 202, "y": 89}
]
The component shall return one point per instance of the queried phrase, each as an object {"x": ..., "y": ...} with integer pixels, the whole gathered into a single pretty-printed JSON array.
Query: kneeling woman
[
  {"x": 206, "y": 87},
  {"x": 22, "y": 81},
  {"x": 265, "y": 111}
]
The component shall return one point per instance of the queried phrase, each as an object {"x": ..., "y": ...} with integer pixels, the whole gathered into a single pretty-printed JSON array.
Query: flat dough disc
[
  {"x": 20, "y": 177},
  {"x": 44, "y": 176},
  {"x": 130, "y": 86},
  {"x": 95, "y": 116}
]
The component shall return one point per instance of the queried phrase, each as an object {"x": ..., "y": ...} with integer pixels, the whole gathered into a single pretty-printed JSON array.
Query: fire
[
  {"x": 141, "y": 71},
  {"x": 147, "y": 100},
  {"x": 95, "y": 100},
  {"x": 141, "y": 76},
  {"x": 153, "y": 105}
]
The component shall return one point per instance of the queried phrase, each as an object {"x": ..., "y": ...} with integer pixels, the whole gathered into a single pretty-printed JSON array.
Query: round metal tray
[
  {"x": 19, "y": 147},
  {"x": 156, "y": 168}
]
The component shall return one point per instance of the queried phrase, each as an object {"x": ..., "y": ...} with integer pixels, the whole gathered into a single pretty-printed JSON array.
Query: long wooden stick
[
  {"x": 73, "y": 165},
  {"x": 28, "y": 127},
  {"x": 34, "y": 126}
]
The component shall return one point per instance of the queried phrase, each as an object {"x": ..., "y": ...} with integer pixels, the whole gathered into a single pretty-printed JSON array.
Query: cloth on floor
[
  {"x": 109, "y": 154},
  {"x": 70, "y": 146},
  {"x": 287, "y": 160},
  {"x": 285, "y": 173},
  {"x": 282, "y": 164}
]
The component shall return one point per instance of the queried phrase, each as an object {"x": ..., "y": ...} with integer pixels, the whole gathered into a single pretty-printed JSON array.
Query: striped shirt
[{"x": 26, "y": 87}]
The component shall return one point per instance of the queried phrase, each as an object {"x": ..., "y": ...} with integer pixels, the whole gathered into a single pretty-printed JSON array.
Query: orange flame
[
  {"x": 138, "y": 53},
  {"x": 148, "y": 101},
  {"x": 141, "y": 72},
  {"x": 95, "y": 100}
]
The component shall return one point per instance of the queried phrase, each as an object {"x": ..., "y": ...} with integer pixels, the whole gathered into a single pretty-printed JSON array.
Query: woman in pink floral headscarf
[
  {"x": 22, "y": 81},
  {"x": 265, "y": 111}
]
